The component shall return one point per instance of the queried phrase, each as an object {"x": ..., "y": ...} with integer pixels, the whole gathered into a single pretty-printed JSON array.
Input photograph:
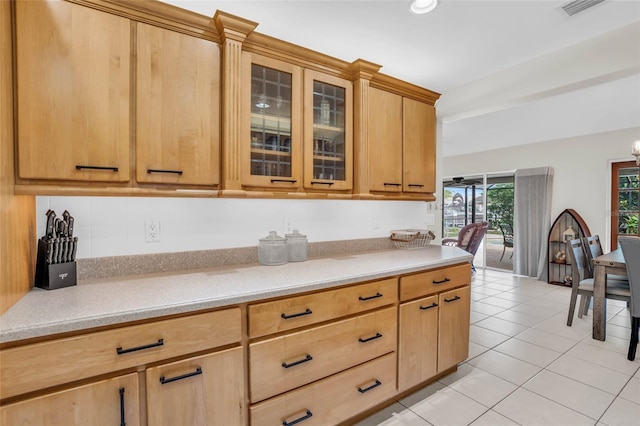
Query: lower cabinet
[
  {"x": 453, "y": 333},
  {"x": 204, "y": 390},
  {"x": 332, "y": 400},
  {"x": 108, "y": 402}
]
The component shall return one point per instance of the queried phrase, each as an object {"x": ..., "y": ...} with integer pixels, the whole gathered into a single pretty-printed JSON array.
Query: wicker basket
[{"x": 410, "y": 239}]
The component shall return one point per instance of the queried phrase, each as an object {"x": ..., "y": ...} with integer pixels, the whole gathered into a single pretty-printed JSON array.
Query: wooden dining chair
[
  {"x": 631, "y": 250},
  {"x": 582, "y": 282}
]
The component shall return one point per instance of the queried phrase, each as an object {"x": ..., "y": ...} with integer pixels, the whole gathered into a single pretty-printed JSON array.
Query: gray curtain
[{"x": 532, "y": 220}]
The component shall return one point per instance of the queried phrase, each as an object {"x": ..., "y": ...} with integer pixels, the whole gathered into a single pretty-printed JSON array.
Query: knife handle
[
  {"x": 73, "y": 249},
  {"x": 49, "y": 252},
  {"x": 70, "y": 221}
]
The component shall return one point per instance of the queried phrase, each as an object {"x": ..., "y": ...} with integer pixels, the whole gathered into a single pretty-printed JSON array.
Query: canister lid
[
  {"x": 273, "y": 237},
  {"x": 295, "y": 234}
]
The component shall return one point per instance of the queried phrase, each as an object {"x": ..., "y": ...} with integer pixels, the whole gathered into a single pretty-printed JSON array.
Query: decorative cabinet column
[
  {"x": 362, "y": 72},
  {"x": 233, "y": 31}
]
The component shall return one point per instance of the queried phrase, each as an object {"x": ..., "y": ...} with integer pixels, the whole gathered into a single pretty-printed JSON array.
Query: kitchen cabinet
[
  {"x": 202, "y": 390},
  {"x": 107, "y": 402},
  {"x": 433, "y": 331},
  {"x": 401, "y": 144},
  {"x": 272, "y": 124},
  {"x": 73, "y": 87},
  {"x": 177, "y": 108},
  {"x": 328, "y": 139}
]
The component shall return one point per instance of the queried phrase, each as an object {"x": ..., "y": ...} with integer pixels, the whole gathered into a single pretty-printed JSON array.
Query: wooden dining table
[{"x": 609, "y": 263}]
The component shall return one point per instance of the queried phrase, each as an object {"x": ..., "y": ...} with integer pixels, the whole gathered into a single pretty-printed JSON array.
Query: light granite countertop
[{"x": 109, "y": 301}]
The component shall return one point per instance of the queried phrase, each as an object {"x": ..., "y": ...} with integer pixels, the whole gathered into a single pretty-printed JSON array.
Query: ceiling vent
[{"x": 579, "y": 5}]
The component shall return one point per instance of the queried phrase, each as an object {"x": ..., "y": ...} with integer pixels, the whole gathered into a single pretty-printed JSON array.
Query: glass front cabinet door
[
  {"x": 271, "y": 145},
  {"x": 328, "y": 141}
]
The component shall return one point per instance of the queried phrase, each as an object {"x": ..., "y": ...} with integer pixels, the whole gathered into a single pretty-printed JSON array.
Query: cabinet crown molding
[
  {"x": 233, "y": 27},
  {"x": 362, "y": 69}
]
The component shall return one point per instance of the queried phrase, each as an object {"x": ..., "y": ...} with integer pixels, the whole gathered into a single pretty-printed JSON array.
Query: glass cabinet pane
[
  {"x": 270, "y": 122},
  {"x": 328, "y": 131}
]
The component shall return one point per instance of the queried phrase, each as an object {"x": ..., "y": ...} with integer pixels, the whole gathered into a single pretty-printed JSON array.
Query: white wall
[
  {"x": 581, "y": 165},
  {"x": 114, "y": 226}
]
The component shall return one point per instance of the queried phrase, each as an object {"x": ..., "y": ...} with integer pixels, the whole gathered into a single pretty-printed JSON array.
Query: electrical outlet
[
  {"x": 288, "y": 225},
  {"x": 152, "y": 231}
]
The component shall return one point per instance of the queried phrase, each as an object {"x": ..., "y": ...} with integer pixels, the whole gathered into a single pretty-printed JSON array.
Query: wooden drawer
[
  {"x": 204, "y": 390},
  {"x": 286, "y": 314},
  {"x": 287, "y": 362},
  {"x": 40, "y": 365},
  {"x": 332, "y": 400},
  {"x": 435, "y": 281}
]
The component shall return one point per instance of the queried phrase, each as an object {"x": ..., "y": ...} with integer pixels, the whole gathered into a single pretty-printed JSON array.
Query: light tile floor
[{"x": 526, "y": 367}]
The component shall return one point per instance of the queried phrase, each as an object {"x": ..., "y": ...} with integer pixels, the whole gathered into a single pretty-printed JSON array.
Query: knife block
[{"x": 55, "y": 275}]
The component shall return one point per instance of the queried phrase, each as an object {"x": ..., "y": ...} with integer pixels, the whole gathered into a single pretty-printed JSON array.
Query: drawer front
[
  {"x": 332, "y": 400},
  {"x": 286, "y": 314},
  {"x": 425, "y": 283},
  {"x": 40, "y": 365},
  {"x": 287, "y": 362},
  {"x": 204, "y": 390}
]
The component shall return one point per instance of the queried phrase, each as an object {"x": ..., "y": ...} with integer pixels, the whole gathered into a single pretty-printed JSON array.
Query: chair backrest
[
  {"x": 631, "y": 250},
  {"x": 507, "y": 234},
  {"x": 476, "y": 238},
  {"x": 578, "y": 261},
  {"x": 592, "y": 248}
]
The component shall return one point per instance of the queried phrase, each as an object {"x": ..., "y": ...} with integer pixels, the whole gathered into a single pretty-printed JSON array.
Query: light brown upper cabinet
[
  {"x": 177, "y": 108},
  {"x": 385, "y": 141},
  {"x": 418, "y": 148},
  {"x": 271, "y": 147},
  {"x": 328, "y": 126},
  {"x": 73, "y": 85},
  {"x": 401, "y": 144}
]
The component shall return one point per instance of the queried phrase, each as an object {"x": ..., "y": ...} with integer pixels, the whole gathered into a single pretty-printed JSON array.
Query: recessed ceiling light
[{"x": 423, "y": 6}]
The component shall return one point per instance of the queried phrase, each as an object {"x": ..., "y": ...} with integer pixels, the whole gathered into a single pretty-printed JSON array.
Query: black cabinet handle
[
  {"x": 373, "y": 386},
  {"x": 307, "y": 415},
  {"x": 368, "y": 339},
  {"x": 316, "y": 182},
  {"x": 452, "y": 300},
  {"x": 415, "y": 185},
  {"x": 299, "y": 314},
  {"x": 392, "y": 184},
  {"x": 121, "y": 351},
  {"x": 184, "y": 376},
  {"x": 122, "y": 419},
  {"x": 177, "y": 172},
  {"x": 446, "y": 280},
  {"x": 375, "y": 296},
  {"x": 81, "y": 167},
  {"x": 294, "y": 363},
  {"x": 283, "y": 181},
  {"x": 424, "y": 308}
]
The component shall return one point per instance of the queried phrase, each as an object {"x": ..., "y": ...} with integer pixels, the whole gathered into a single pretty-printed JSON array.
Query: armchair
[{"x": 469, "y": 238}]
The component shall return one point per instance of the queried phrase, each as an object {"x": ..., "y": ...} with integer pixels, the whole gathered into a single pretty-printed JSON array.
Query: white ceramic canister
[
  {"x": 296, "y": 246},
  {"x": 272, "y": 250}
]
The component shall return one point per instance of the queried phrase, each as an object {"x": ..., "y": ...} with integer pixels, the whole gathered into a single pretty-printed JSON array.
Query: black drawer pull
[
  {"x": 80, "y": 167},
  {"x": 121, "y": 351},
  {"x": 392, "y": 184},
  {"x": 306, "y": 312},
  {"x": 307, "y": 415},
  {"x": 373, "y": 386},
  {"x": 315, "y": 182},
  {"x": 446, "y": 280},
  {"x": 452, "y": 300},
  {"x": 184, "y": 376},
  {"x": 122, "y": 419},
  {"x": 294, "y": 363},
  {"x": 177, "y": 172},
  {"x": 283, "y": 181},
  {"x": 368, "y": 339},
  {"x": 415, "y": 185},
  {"x": 433, "y": 305},
  {"x": 375, "y": 296}
]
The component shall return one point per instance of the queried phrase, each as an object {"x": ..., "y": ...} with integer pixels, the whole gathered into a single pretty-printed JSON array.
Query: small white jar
[
  {"x": 272, "y": 250},
  {"x": 296, "y": 246}
]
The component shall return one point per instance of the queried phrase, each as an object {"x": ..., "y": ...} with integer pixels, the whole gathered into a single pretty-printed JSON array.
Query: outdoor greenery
[{"x": 500, "y": 205}]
